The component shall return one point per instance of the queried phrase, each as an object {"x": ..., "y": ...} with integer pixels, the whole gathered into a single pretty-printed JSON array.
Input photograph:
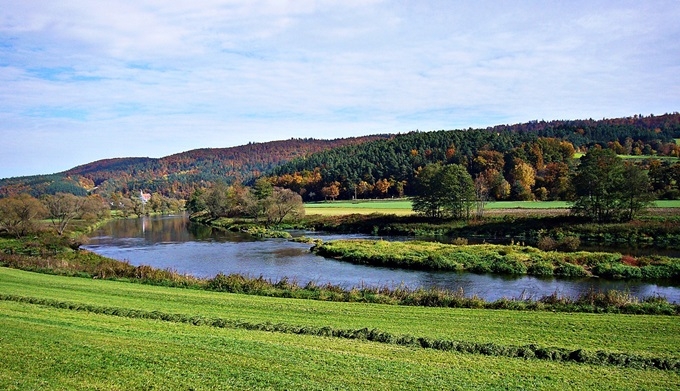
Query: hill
[
  {"x": 387, "y": 167},
  {"x": 175, "y": 175},
  {"x": 383, "y": 166}
]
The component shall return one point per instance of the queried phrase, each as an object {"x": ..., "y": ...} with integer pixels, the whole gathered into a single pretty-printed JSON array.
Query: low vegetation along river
[{"x": 172, "y": 242}]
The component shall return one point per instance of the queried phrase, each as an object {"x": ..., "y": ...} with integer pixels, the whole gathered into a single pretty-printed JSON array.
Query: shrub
[
  {"x": 617, "y": 271},
  {"x": 546, "y": 243},
  {"x": 460, "y": 241},
  {"x": 630, "y": 261},
  {"x": 570, "y": 270},
  {"x": 569, "y": 243},
  {"x": 507, "y": 265},
  {"x": 541, "y": 269}
]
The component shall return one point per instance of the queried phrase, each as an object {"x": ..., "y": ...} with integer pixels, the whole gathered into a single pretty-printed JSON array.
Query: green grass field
[
  {"x": 645, "y": 157},
  {"x": 43, "y": 347},
  {"x": 402, "y": 207}
]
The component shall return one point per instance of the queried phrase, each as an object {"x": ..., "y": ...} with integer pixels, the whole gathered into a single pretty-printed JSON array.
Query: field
[
  {"x": 402, "y": 207},
  {"x": 671, "y": 159},
  {"x": 58, "y": 346}
]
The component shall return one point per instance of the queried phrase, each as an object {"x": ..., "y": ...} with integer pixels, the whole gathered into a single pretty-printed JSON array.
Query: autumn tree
[
  {"x": 555, "y": 179},
  {"x": 331, "y": 191},
  {"x": 499, "y": 188},
  {"x": 381, "y": 187},
  {"x": 524, "y": 177},
  {"x": 283, "y": 204},
  {"x": 364, "y": 188},
  {"x": 18, "y": 214},
  {"x": 488, "y": 160},
  {"x": 62, "y": 208}
]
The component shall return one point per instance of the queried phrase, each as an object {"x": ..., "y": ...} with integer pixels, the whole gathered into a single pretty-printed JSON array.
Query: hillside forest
[
  {"x": 537, "y": 160},
  {"x": 531, "y": 161},
  {"x": 175, "y": 176}
]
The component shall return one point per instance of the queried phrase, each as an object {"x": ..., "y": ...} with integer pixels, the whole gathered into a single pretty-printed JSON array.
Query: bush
[
  {"x": 569, "y": 243},
  {"x": 541, "y": 269},
  {"x": 546, "y": 243},
  {"x": 507, "y": 265},
  {"x": 570, "y": 270},
  {"x": 460, "y": 241},
  {"x": 617, "y": 271}
]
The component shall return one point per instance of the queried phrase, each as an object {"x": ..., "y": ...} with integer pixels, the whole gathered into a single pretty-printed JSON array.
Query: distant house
[{"x": 144, "y": 197}]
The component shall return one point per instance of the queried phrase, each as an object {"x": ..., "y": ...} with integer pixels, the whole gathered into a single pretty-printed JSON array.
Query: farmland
[
  {"x": 86, "y": 349},
  {"x": 402, "y": 207}
]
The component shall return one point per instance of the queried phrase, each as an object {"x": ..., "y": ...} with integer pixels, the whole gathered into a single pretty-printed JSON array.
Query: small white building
[{"x": 144, "y": 197}]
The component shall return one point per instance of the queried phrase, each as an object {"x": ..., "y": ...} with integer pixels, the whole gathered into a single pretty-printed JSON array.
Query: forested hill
[
  {"x": 176, "y": 175},
  {"x": 523, "y": 161}
]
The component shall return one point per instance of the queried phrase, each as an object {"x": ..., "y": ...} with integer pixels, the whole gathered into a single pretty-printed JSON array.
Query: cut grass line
[
  {"x": 640, "y": 334},
  {"x": 375, "y": 335}
]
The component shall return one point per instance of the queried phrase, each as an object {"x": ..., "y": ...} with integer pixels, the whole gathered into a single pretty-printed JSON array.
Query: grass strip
[
  {"x": 89, "y": 265},
  {"x": 530, "y": 351}
]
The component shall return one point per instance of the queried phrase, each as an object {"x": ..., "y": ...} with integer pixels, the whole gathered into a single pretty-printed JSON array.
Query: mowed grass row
[
  {"x": 47, "y": 348},
  {"x": 402, "y": 207},
  {"x": 652, "y": 336}
]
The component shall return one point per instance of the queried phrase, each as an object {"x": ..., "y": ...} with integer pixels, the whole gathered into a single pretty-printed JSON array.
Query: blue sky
[{"x": 83, "y": 80}]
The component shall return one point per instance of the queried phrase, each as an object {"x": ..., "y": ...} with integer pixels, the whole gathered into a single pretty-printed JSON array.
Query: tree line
[
  {"x": 262, "y": 202},
  {"x": 529, "y": 162},
  {"x": 604, "y": 188},
  {"x": 21, "y": 214}
]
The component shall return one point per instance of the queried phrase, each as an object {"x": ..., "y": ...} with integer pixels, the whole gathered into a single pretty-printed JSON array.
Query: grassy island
[{"x": 502, "y": 259}]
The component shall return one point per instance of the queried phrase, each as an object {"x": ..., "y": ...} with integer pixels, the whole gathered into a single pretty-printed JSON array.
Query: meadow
[
  {"x": 402, "y": 207},
  {"x": 91, "y": 334}
]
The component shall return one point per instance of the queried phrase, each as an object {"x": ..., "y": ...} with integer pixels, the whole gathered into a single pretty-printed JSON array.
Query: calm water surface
[{"x": 172, "y": 242}]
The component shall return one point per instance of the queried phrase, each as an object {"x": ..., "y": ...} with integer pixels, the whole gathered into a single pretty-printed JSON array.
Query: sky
[{"x": 83, "y": 80}]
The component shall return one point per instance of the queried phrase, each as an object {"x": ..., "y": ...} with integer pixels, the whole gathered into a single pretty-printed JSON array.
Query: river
[{"x": 172, "y": 242}]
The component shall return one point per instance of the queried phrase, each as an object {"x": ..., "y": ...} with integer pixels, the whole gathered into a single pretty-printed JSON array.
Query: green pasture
[
  {"x": 44, "y": 347},
  {"x": 402, "y": 207},
  {"x": 399, "y": 207},
  {"x": 646, "y": 157}
]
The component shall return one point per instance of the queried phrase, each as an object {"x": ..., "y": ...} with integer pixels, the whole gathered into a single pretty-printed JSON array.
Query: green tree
[
  {"x": 636, "y": 191},
  {"x": 263, "y": 188},
  {"x": 197, "y": 202},
  {"x": 262, "y": 191},
  {"x": 216, "y": 200},
  {"x": 444, "y": 191},
  {"x": 606, "y": 189},
  {"x": 426, "y": 197}
]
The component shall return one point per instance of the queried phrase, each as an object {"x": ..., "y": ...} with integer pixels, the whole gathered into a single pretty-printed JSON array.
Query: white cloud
[{"x": 164, "y": 77}]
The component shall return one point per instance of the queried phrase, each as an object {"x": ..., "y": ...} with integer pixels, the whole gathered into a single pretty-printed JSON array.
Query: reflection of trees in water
[
  {"x": 153, "y": 229},
  {"x": 200, "y": 231}
]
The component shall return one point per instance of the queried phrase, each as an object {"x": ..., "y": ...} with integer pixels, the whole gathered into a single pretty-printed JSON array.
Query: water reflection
[{"x": 172, "y": 242}]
